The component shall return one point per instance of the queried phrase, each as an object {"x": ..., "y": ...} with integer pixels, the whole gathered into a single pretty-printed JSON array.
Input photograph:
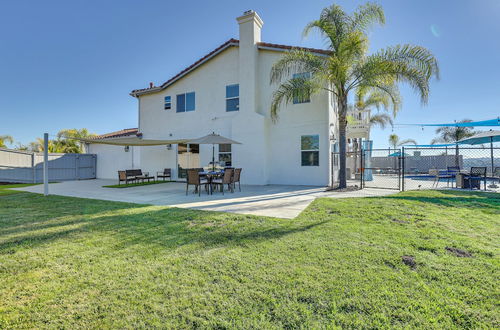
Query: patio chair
[
  {"x": 193, "y": 178},
  {"x": 452, "y": 172},
  {"x": 496, "y": 174},
  {"x": 122, "y": 176},
  {"x": 236, "y": 178},
  {"x": 476, "y": 175},
  {"x": 167, "y": 173},
  {"x": 227, "y": 178}
]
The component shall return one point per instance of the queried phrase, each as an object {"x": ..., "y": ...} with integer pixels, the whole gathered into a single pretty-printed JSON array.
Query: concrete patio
[{"x": 270, "y": 200}]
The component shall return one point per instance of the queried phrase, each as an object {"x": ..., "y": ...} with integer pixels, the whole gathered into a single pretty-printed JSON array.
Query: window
[
  {"x": 225, "y": 158},
  {"x": 297, "y": 99},
  {"x": 168, "y": 102},
  {"x": 233, "y": 97},
  {"x": 309, "y": 147},
  {"x": 186, "y": 102}
]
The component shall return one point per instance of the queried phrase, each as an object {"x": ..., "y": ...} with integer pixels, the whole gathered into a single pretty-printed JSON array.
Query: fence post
[
  {"x": 362, "y": 168},
  {"x": 33, "y": 168},
  {"x": 46, "y": 164},
  {"x": 403, "y": 169}
]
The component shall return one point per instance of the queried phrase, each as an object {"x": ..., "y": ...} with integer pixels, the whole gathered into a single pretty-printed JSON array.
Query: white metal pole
[{"x": 46, "y": 164}]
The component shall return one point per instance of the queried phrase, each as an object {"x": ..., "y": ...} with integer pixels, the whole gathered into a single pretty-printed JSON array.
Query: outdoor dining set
[
  {"x": 212, "y": 180},
  {"x": 466, "y": 179}
]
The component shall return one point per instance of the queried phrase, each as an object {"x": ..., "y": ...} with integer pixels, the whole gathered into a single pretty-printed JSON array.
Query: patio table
[{"x": 210, "y": 175}]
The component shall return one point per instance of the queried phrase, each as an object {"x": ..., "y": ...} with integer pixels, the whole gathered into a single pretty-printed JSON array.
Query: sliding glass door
[{"x": 188, "y": 156}]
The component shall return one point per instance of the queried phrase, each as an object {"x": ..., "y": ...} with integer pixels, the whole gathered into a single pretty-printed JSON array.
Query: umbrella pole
[{"x": 213, "y": 157}]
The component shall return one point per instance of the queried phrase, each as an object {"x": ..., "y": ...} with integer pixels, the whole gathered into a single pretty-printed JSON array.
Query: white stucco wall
[
  {"x": 111, "y": 159},
  {"x": 270, "y": 152}
]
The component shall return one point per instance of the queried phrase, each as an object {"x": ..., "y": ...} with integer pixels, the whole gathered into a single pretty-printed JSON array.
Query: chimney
[{"x": 250, "y": 27}]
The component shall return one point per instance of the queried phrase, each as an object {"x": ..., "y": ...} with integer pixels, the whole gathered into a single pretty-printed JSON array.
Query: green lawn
[
  {"x": 80, "y": 263},
  {"x": 5, "y": 188}
]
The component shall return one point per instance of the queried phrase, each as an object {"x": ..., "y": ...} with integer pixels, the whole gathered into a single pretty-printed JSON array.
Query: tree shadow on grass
[
  {"x": 131, "y": 225},
  {"x": 481, "y": 201}
]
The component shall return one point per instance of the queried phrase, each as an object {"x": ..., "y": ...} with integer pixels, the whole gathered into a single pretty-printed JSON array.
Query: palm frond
[
  {"x": 413, "y": 65},
  {"x": 366, "y": 16},
  {"x": 296, "y": 61},
  {"x": 381, "y": 120},
  {"x": 300, "y": 88}
]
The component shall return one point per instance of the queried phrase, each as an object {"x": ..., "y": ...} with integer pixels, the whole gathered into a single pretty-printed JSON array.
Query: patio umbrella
[
  {"x": 482, "y": 138},
  {"x": 213, "y": 139}
]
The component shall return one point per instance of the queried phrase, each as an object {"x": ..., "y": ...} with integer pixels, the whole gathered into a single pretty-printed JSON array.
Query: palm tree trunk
[
  {"x": 342, "y": 103},
  {"x": 457, "y": 156}
]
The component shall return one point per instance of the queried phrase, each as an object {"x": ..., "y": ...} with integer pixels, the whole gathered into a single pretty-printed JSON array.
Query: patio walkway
[{"x": 270, "y": 200}]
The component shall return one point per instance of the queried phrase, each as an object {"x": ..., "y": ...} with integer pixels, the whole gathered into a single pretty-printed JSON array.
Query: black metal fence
[{"x": 415, "y": 168}]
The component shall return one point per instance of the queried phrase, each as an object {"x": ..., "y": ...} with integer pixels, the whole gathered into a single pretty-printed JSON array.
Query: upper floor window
[
  {"x": 186, "y": 102},
  {"x": 302, "y": 98},
  {"x": 233, "y": 97},
  {"x": 309, "y": 148},
  {"x": 168, "y": 102}
]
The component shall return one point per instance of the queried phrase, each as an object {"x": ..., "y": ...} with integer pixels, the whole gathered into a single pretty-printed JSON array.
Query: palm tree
[
  {"x": 4, "y": 139},
  {"x": 395, "y": 141},
  {"x": 348, "y": 67},
  {"x": 453, "y": 135}
]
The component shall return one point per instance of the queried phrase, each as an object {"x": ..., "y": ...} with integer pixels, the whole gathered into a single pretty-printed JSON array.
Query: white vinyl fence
[{"x": 27, "y": 167}]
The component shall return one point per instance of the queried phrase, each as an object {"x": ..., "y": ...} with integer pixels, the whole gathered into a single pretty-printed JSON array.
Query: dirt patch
[
  {"x": 458, "y": 252},
  {"x": 346, "y": 189},
  {"x": 409, "y": 261}
]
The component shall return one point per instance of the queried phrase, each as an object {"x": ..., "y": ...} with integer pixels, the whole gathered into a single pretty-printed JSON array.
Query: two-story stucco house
[{"x": 228, "y": 92}]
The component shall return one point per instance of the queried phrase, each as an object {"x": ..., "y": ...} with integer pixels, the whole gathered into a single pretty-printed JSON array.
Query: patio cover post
[{"x": 46, "y": 164}]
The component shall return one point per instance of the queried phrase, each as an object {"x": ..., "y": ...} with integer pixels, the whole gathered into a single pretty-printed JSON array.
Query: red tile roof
[
  {"x": 286, "y": 47},
  {"x": 121, "y": 133},
  {"x": 216, "y": 51}
]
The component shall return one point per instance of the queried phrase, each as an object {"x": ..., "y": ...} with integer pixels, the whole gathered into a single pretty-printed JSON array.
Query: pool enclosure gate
[{"x": 416, "y": 168}]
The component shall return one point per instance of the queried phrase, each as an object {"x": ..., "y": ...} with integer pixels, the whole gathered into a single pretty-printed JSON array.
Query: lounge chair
[
  {"x": 474, "y": 178},
  {"x": 193, "y": 178},
  {"x": 227, "y": 178},
  {"x": 167, "y": 173}
]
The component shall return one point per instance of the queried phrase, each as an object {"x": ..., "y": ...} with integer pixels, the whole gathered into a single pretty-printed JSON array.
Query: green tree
[
  {"x": 453, "y": 135},
  {"x": 65, "y": 142},
  {"x": 348, "y": 67},
  {"x": 4, "y": 140},
  {"x": 395, "y": 141}
]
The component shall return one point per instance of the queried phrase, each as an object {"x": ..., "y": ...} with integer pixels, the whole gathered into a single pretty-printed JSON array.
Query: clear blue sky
[{"x": 71, "y": 64}]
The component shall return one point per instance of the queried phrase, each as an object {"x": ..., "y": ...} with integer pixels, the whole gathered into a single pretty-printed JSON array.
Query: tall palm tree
[
  {"x": 395, "y": 141},
  {"x": 4, "y": 139},
  {"x": 349, "y": 67},
  {"x": 453, "y": 135}
]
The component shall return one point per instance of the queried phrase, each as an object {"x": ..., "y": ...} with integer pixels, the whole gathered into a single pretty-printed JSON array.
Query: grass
[
  {"x": 5, "y": 188},
  {"x": 137, "y": 184},
  {"x": 80, "y": 263}
]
